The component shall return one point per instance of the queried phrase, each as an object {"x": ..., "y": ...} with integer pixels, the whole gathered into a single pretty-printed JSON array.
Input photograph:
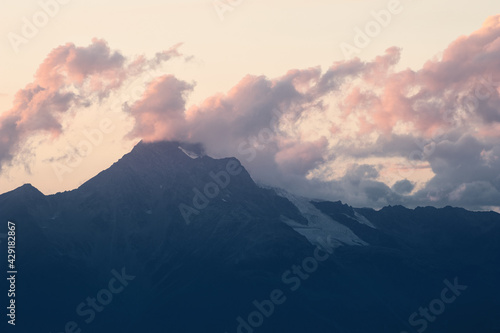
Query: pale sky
[{"x": 255, "y": 37}]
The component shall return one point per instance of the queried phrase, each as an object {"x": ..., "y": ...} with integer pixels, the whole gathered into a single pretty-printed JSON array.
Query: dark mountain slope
[{"x": 235, "y": 244}]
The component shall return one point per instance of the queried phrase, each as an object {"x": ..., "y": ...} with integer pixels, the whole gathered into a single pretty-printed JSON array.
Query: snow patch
[
  {"x": 320, "y": 225},
  {"x": 189, "y": 153},
  {"x": 363, "y": 220}
]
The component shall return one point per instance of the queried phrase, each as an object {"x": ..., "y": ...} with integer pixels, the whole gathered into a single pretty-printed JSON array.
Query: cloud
[
  {"x": 95, "y": 68},
  {"x": 466, "y": 174},
  {"x": 366, "y": 110},
  {"x": 70, "y": 78},
  {"x": 403, "y": 186},
  {"x": 245, "y": 122},
  {"x": 160, "y": 111},
  {"x": 299, "y": 158},
  {"x": 358, "y": 131}
]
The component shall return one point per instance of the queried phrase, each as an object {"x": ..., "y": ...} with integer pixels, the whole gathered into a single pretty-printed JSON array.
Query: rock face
[{"x": 169, "y": 239}]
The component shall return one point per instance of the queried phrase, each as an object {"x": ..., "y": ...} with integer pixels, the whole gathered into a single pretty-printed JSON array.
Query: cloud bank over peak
[{"x": 366, "y": 133}]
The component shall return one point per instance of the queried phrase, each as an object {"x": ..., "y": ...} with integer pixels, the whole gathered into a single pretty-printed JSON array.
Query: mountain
[{"x": 170, "y": 239}]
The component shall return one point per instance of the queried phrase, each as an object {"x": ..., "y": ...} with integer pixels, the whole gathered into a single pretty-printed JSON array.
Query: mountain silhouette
[{"x": 169, "y": 239}]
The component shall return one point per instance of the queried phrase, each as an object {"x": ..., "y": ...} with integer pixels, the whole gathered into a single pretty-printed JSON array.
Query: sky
[{"x": 373, "y": 103}]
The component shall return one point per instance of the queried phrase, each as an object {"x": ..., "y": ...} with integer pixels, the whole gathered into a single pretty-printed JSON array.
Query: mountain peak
[
  {"x": 24, "y": 193},
  {"x": 168, "y": 147},
  {"x": 26, "y": 190},
  {"x": 161, "y": 163}
]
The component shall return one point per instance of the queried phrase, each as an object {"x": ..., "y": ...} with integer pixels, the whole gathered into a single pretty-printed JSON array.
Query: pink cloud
[
  {"x": 300, "y": 157},
  {"x": 263, "y": 120},
  {"x": 69, "y": 77},
  {"x": 372, "y": 94},
  {"x": 160, "y": 111}
]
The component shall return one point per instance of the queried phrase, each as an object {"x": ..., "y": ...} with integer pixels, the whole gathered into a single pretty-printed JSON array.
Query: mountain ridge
[
  {"x": 244, "y": 242},
  {"x": 159, "y": 148}
]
